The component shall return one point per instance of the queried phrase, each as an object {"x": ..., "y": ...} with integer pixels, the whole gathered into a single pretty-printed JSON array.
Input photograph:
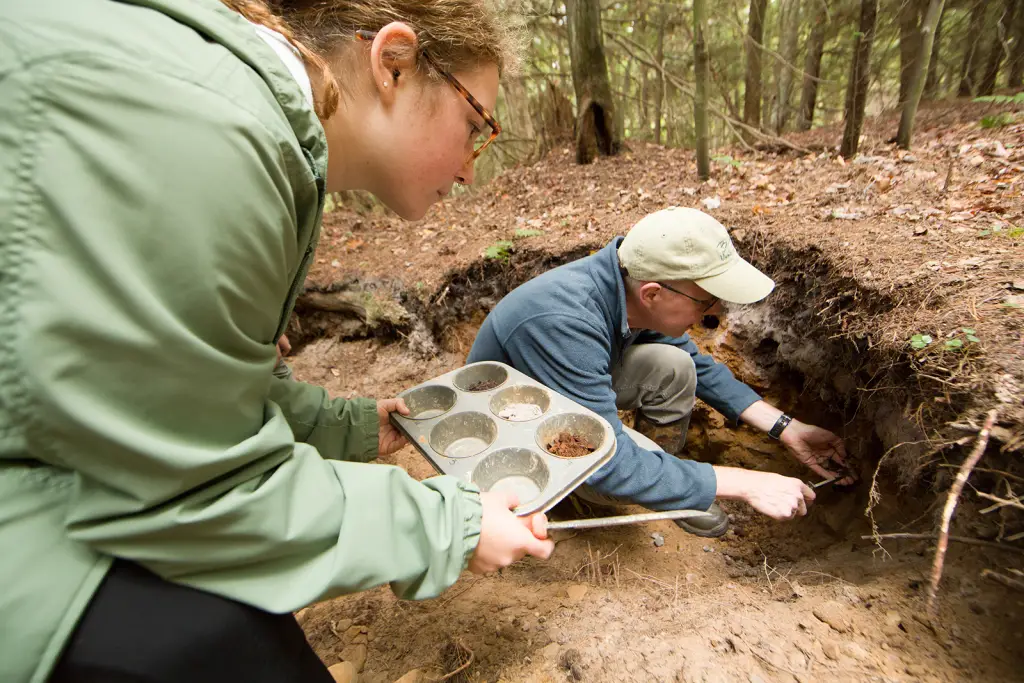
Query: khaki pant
[{"x": 658, "y": 379}]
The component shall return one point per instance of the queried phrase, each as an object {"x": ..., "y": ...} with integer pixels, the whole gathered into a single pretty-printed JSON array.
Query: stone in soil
[
  {"x": 567, "y": 445},
  {"x": 835, "y": 615}
]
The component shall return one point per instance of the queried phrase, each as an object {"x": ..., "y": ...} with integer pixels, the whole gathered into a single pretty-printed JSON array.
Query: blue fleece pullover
[{"x": 567, "y": 329}]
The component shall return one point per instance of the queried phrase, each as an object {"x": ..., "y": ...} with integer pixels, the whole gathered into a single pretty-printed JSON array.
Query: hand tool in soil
[{"x": 625, "y": 519}]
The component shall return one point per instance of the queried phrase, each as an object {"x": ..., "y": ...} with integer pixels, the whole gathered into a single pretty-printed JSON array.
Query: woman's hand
[
  {"x": 505, "y": 538},
  {"x": 390, "y": 439}
]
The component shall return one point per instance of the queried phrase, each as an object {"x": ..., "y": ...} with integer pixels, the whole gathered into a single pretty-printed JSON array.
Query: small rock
[
  {"x": 708, "y": 549},
  {"x": 355, "y": 655},
  {"x": 576, "y": 592},
  {"x": 920, "y": 230},
  {"x": 353, "y": 631},
  {"x": 550, "y": 652},
  {"x": 572, "y": 662},
  {"x": 833, "y": 614},
  {"x": 1018, "y": 285},
  {"x": 344, "y": 672},
  {"x": 916, "y": 670},
  {"x": 893, "y": 622},
  {"x": 360, "y": 638},
  {"x": 343, "y": 625},
  {"x": 908, "y": 158},
  {"x": 851, "y": 594},
  {"x": 856, "y": 651},
  {"x": 711, "y": 202},
  {"x": 659, "y": 540},
  {"x": 831, "y": 649},
  {"x": 798, "y": 590},
  {"x": 414, "y": 676}
]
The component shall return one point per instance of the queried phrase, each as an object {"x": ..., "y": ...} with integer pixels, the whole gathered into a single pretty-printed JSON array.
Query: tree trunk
[
  {"x": 620, "y": 111},
  {"x": 910, "y": 43},
  {"x": 659, "y": 92},
  {"x": 997, "y": 48},
  {"x": 789, "y": 27},
  {"x": 931, "y": 84},
  {"x": 971, "y": 56},
  {"x": 812, "y": 65},
  {"x": 917, "y": 77},
  {"x": 595, "y": 112},
  {"x": 1017, "y": 50},
  {"x": 520, "y": 119},
  {"x": 860, "y": 72},
  {"x": 700, "y": 100},
  {"x": 755, "y": 37}
]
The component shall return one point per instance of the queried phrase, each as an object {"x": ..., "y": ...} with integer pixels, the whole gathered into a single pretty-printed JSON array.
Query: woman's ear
[{"x": 393, "y": 54}]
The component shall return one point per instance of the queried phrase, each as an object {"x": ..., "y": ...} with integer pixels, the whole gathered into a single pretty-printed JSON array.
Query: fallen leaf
[{"x": 711, "y": 202}]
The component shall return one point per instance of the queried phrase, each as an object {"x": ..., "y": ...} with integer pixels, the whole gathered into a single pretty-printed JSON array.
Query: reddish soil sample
[
  {"x": 484, "y": 385},
  {"x": 567, "y": 445}
]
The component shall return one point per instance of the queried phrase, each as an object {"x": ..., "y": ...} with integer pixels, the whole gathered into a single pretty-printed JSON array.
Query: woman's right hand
[{"x": 505, "y": 538}]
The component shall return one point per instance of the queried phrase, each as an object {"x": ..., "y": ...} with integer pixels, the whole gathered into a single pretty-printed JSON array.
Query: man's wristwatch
[{"x": 776, "y": 431}]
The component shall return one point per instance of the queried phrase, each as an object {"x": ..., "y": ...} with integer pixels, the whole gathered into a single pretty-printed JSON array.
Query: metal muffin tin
[{"x": 487, "y": 423}]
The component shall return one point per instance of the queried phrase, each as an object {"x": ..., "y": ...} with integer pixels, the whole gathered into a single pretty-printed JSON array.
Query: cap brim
[{"x": 742, "y": 283}]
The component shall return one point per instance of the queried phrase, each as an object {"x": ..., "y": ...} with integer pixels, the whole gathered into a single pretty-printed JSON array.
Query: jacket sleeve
[
  {"x": 158, "y": 229},
  {"x": 339, "y": 429},
  {"x": 570, "y": 356},
  {"x": 716, "y": 384}
]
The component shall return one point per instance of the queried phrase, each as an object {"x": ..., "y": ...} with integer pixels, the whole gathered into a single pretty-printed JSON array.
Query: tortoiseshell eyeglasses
[{"x": 478, "y": 147}]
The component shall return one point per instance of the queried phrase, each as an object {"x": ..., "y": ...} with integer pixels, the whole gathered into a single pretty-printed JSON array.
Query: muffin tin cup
[{"x": 489, "y": 424}]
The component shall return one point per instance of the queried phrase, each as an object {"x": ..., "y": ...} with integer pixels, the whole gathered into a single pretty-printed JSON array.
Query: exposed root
[{"x": 951, "y": 501}]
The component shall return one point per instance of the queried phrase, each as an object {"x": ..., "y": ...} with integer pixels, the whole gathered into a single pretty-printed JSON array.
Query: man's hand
[
  {"x": 505, "y": 538},
  {"x": 390, "y": 439},
  {"x": 770, "y": 494},
  {"x": 816, "y": 448}
]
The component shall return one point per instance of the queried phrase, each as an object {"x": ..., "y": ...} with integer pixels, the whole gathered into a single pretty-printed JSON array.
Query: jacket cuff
[
  {"x": 366, "y": 430},
  {"x": 708, "y": 486},
  {"x": 472, "y": 515},
  {"x": 747, "y": 398}
]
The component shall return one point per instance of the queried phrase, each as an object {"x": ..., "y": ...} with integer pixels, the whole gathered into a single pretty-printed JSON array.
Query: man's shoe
[
  {"x": 670, "y": 437},
  {"x": 707, "y": 527}
]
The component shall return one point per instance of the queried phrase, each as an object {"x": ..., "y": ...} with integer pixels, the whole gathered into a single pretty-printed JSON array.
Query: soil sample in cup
[
  {"x": 484, "y": 385},
  {"x": 566, "y": 445},
  {"x": 520, "y": 412}
]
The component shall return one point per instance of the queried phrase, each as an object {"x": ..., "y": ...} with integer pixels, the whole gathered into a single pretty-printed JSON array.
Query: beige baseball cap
[{"x": 686, "y": 244}]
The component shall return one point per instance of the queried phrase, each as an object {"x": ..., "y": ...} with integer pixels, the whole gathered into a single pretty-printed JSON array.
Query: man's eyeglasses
[
  {"x": 708, "y": 304},
  {"x": 367, "y": 36}
]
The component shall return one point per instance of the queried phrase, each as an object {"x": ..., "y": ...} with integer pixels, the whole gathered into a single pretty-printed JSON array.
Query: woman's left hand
[{"x": 390, "y": 439}]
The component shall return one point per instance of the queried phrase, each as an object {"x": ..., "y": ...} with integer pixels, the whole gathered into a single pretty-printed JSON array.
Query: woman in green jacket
[{"x": 165, "y": 503}]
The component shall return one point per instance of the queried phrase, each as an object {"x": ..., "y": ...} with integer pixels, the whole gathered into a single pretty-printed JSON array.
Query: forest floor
[{"x": 873, "y": 257}]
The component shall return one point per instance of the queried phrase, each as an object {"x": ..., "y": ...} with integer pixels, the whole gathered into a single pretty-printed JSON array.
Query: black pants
[{"x": 140, "y": 628}]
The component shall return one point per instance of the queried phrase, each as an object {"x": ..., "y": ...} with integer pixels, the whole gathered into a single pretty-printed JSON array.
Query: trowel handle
[{"x": 625, "y": 519}]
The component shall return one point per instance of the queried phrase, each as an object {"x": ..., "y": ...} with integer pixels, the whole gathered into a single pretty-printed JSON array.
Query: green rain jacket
[{"x": 161, "y": 189}]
